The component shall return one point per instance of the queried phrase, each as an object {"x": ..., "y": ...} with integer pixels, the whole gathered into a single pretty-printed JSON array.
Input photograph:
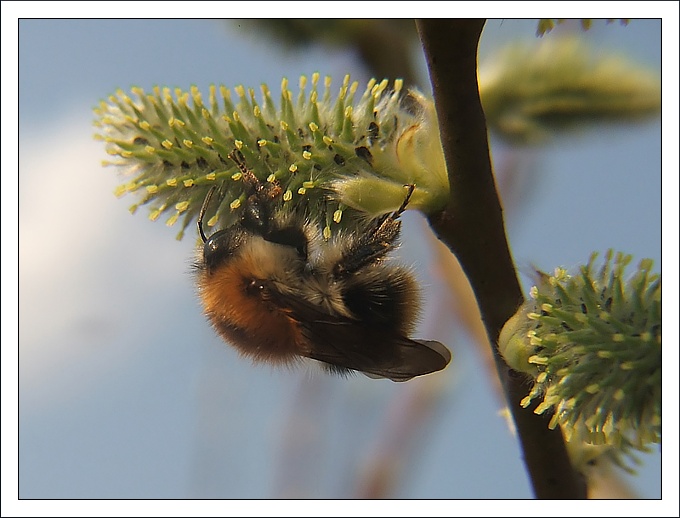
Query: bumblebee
[{"x": 272, "y": 287}]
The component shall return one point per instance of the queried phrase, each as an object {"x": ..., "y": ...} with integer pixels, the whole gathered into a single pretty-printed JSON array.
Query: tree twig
[{"x": 472, "y": 227}]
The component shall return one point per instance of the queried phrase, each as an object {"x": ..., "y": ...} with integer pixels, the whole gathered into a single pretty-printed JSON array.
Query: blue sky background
[{"x": 125, "y": 391}]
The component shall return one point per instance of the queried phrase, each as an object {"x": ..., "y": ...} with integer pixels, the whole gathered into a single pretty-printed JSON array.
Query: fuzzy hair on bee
[{"x": 272, "y": 287}]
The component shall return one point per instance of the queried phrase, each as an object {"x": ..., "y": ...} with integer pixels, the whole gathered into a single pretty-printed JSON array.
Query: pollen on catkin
[{"x": 344, "y": 152}]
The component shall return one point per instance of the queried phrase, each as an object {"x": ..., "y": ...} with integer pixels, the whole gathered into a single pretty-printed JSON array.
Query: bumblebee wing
[
  {"x": 345, "y": 344},
  {"x": 379, "y": 355}
]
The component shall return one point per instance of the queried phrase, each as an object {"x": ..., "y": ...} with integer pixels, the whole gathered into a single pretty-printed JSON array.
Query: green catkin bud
[
  {"x": 358, "y": 153},
  {"x": 532, "y": 93},
  {"x": 592, "y": 343}
]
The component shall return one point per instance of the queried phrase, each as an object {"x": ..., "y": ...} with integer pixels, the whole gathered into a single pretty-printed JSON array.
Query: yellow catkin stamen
[
  {"x": 594, "y": 388},
  {"x": 538, "y": 360},
  {"x": 172, "y": 219}
]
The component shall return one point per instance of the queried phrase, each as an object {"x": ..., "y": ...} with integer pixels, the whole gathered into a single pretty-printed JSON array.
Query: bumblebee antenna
[{"x": 199, "y": 223}]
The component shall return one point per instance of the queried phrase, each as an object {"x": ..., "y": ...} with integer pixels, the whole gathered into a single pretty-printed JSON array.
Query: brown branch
[{"x": 472, "y": 227}]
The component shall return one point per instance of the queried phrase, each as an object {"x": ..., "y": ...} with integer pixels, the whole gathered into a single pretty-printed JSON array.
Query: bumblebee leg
[
  {"x": 411, "y": 187},
  {"x": 380, "y": 238}
]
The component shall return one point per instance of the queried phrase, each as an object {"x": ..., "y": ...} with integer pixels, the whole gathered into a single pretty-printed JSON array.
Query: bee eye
[
  {"x": 258, "y": 288},
  {"x": 221, "y": 246}
]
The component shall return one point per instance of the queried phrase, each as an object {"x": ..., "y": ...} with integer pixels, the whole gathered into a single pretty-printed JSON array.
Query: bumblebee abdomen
[{"x": 384, "y": 296}]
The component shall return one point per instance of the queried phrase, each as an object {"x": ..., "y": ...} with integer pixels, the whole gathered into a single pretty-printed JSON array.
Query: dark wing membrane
[
  {"x": 344, "y": 343},
  {"x": 379, "y": 354}
]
